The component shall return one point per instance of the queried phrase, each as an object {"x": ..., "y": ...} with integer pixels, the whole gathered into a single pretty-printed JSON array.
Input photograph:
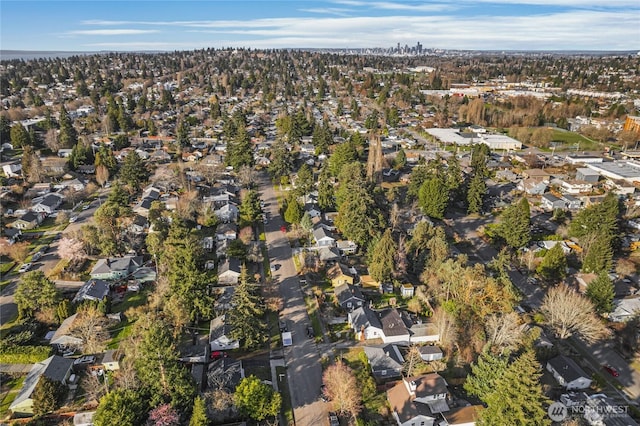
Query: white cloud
[
  {"x": 424, "y": 6},
  {"x": 111, "y": 32},
  {"x": 337, "y": 11}
]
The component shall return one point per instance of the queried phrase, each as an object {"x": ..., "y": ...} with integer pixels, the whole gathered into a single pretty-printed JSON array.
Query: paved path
[{"x": 304, "y": 372}]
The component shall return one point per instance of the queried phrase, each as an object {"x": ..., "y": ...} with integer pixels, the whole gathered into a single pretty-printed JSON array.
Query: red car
[
  {"x": 218, "y": 354},
  {"x": 609, "y": 369}
]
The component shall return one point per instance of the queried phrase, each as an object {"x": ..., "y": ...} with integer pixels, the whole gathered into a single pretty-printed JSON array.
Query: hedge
[{"x": 13, "y": 354}]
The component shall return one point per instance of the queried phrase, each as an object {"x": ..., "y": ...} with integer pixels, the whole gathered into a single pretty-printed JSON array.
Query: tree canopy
[
  {"x": 515, "y": 227},
  {"x": 35, "y": 292},
  {"x": 256, "y": 400}
]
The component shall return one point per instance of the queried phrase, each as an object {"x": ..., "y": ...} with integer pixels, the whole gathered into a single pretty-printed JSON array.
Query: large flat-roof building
[
  {"x": 458, "y": 137},
  {"x": 628, "y": 171}
]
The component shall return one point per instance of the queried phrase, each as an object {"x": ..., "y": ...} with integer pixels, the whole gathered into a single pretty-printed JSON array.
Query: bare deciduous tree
[
  {"x": 247, "y": 176},
  {"x": 342, "y": 388},
  {"x": 18, "y": 252},
  {"x": 569, "y": 313},
  {"x": 94, "y": 388},
  {"x": 90, "y": 326},
  {"x": 63, "y": 217},
  {"x": 446, "y": 325},
  {"x": 413, "y": 361},
  {"x": 503, "y": 331},
  {"x": 102, "y": 174}
]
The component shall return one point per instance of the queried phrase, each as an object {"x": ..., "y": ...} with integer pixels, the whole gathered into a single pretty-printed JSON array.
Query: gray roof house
[
  {"x": 625, "y": 309},
  {"x": 55, "y": 368},
  {"x": 219, "y": 339},
  {"x": 229, "y": 271},
  {"x": 115, "y": 268},
  {"x": 92, "y": 290},
  {"x": 323, "y": 237},
  {"x": 394, "y": 328},
  {"x": 62, "y": 338},
  {"x": 48, "y": 204},
  {"x": 365, "y": 323},
  {"x": 567, "y": 373},
  {"x": 385, "y": 361},
  {"x": 349, "y": 297},
  {"x": 430, "y": 353}
]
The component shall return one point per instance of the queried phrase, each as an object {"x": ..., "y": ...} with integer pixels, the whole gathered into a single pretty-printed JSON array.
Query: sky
[{"x": 117, "y": 25}]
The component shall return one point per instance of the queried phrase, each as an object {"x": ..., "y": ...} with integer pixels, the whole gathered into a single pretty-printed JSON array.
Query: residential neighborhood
[{"x": 186, "y": 233}]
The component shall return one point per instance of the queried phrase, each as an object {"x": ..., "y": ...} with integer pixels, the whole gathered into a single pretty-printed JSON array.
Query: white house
[
  {"x": 219, "y": 339},
  {"x": 567, "y": 373},
  {"x": 417, "y": 400},
  {"x": 12, "y": 170}
]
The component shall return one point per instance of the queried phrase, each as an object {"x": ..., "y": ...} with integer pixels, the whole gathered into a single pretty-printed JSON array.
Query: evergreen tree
[
  {"x": 5, "y": 128},
  {"x": 19, "y": 136},
  {"x": 597, "y": 219},
  {"x": 600, "y": 292},
  {"x": 245, "y": 320},
  {"x": 517, "y": 396},
  {"x": 47, "y": 396},
  {"x": 133, "y": 171},
  {"x": 34, "y": 293},
  {"x": 345, "y": 153},
  {"x": 400, "y": 160},
  {"x": 419, "y": 175},
  {"x": 122, "y": 407},
  {"x": 304, "y": 181},
  {"x": 250, "y": 209},
  {"x": 68, "y": 136},
  {"x": 326, "y": 193},
  {"x": 382, "y": 264},
  {"x": 281, "y": 161},
  {"x": 239, "y": 150},
  {"x": 599, "y": 254},
  {"x": 553, "y": 267},
  {"x": 256, "y": 399},
  {"x": 475, "y": 193},
  {"x": 294, "y": 211},
  {"x": 183, "y": 259},
  {"x": 158, "y": 368},
  {"x": 182, "y": 137},
  {"x": 486, "y": 372},
  {"x": 199, "y": 413},
  {"x": 515, "y": 227},
  {"x": 433, "y": 197}
]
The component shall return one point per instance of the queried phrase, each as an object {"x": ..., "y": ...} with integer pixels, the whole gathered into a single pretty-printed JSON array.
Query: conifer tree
[
  {"x": 601, "y": 292},
  {"x": 245, "y": 320},
  {"x": 433, "y": 197},
  {"x": 382, "y": 264},
  {"x": 554, "y": 264},
  {"x": 515, "y": 227},
  {"x": 475, "y": 193}
]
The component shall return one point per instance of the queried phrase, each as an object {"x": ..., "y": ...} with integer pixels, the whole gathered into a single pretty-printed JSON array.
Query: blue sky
[{"x": 88, "y": 25}]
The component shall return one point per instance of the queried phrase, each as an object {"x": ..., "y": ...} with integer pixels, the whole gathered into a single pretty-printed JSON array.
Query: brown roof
[
  {"x": 429, "y": 384},
  {"x": 402, "y": 404},
  {"x": 463, "y": 415}
]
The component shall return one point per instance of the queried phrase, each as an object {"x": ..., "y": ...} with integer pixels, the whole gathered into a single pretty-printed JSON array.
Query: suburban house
[
  {"x": 111, "y": 360},
  {"x": 312, "y": 210},
  {"x": 346, "y": 247},
  {"x": 625, "y": 309},
  {"x": 385, "y": 361},
  {"x": 48, "y": 204},
  {"x": 551, "y": 202},
  {"x": 55, "y": 368},
  {"x": 92, "y": 290},
  {"x": 430, "y": 353},
  {"x": 29, "y": 220},
  {"x": 12, "y": 170},
  {"x": 227, "y": 372},
  {"x": 229, "y": 271},
  {"x": 63, "y": 338},
  {"x": 407, "y": 290},
  {"x": 340, "y": 274},
  {"x": 417, "y": 400},
  {"x": 142, "y": 208},
  {"x": 567, "y": 373},
  {"x": 365, "y": 323},
  {"x": 115, "y": 268},
  {"x": 139, "y": 225},
  {"x": 219, "y": 339},
  {"x": 227, "y": 231},
  {"x": 394, "y": 328},
  {"x": 349, "y": 297},
  {"x": 323, "y": 237},
  {"x": 11, "y": 235},
  {"x": 227, "y": 213}
]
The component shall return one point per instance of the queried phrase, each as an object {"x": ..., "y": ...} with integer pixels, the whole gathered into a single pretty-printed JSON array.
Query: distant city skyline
[{"x": 443, "y": 24}]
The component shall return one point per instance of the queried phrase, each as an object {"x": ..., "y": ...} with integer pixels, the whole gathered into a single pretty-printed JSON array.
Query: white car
[
  {"x": 73, "y": 219},
  {"x": 24, "y": 268},
  {"x": 86, "y": 207},
  {"x": 36, "y": 256}
]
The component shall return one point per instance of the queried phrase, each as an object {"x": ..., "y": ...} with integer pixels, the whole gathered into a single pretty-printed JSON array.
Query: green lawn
[
  {"x": 570, "y": 139},
  {"x": 6, "y": 265},
  {"x": 132, "y": 300},
  {"x": 283, "y": 386},
  {"x": 7, "y": 398},
  {"x": 119, "y": 333}
]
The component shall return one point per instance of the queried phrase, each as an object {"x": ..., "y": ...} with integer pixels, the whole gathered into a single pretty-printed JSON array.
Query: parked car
[
  {"x": 310, "y": 332},
  {"x": 333, "y": 420},
  {"x": 36, "y": 256},
  {"x": 86, "y": 207},
  {"x": 73, "y": 219},
  {"x": 283, "y": 326},
  {"x": 87, "y": 359},
  {"x": 25, "y": 267},
  {"x": 609, "y": 369},
  {"x": 218, "y": 354}
]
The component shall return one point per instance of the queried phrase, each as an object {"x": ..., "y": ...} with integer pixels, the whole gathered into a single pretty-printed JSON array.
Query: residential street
[
  {"x": 598, "y": 354},
  {"x": 304, "y": 372}
]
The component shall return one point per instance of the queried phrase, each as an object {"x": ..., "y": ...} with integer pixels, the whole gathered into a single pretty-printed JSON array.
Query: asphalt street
[{"x": 304, "y": 371}]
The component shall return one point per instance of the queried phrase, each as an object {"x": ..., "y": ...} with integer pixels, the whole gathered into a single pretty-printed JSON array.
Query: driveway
[{"x": 304, "y": 372}]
